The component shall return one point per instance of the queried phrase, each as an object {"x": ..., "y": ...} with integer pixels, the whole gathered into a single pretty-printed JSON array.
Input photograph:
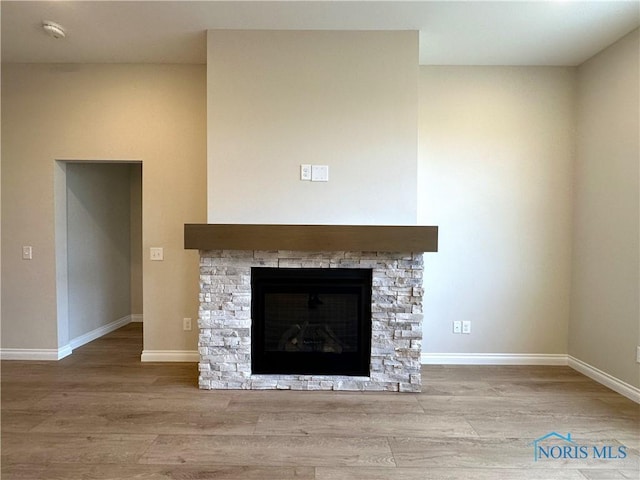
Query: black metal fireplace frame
[{"x": 266, "y": 280}]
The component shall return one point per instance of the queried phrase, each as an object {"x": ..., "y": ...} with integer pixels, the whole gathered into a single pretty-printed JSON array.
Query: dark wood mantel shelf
[{"x": 311, "y": 237}]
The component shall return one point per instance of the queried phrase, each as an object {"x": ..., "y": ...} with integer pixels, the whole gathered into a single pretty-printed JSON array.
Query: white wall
[
  {"x": 155, "y": 114},
  {"x": 278, "y": 99},
  {"x": 98, "y": 245},
  {"x": 605, "y": 318},
  {"x": 495, "y": 164}
]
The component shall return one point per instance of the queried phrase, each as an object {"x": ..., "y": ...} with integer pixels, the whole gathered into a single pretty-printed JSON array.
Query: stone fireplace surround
[{"x": 225, "y": 302}]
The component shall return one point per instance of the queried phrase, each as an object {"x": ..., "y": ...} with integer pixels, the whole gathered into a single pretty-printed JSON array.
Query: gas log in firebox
[{"x": 311, "y": 320}]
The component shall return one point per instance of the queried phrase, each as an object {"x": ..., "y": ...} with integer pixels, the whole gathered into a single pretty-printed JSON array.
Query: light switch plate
[
  {"x": 319, "y": 173},
  {"x": 156, "y": 253},
  {"x": 27, "y": 252}
]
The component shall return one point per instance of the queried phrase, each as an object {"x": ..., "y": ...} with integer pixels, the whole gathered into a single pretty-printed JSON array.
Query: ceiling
[{"x": 553, "y": 32}]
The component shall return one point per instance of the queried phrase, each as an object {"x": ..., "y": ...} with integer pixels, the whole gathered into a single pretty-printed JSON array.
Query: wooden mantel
[{"x": 311, "y": 237}]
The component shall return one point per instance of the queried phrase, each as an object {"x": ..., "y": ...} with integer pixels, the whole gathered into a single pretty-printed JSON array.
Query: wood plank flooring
[{"x": 102, "y": 414}]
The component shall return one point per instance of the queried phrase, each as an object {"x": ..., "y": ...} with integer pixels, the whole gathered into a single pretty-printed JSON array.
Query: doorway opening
[{"x": 98, "y": 248}]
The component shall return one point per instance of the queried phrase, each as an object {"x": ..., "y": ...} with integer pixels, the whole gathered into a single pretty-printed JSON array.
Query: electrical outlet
[
  {"x": 305, "y": 172},
  {"x": 186, "y": 324},
  {"x": 27, "y": 252},
  {"x": 466, "y": 326},
  {"x": 457, "y": 326},
  {"x": 638, "y": 354}
]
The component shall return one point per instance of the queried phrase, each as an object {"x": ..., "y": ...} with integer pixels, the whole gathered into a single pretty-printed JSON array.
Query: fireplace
[
  {"x": 314, "y": 321},
  {"x": 227, "y": 325},
  {"x": 380, "y": 268}
]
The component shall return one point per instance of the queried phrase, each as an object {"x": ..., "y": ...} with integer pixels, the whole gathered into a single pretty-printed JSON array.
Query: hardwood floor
[{"x": 102, "y": 414}]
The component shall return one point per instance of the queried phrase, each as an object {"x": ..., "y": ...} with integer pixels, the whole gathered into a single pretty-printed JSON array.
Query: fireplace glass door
[{"x": 311, "y": 321}]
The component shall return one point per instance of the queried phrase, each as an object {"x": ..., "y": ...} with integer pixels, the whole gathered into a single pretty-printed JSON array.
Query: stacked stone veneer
[{"x": 225, "y": 320}]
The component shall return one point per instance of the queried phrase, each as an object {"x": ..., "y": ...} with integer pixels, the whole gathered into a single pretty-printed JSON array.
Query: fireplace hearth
[{"x": 227, "y": 323}]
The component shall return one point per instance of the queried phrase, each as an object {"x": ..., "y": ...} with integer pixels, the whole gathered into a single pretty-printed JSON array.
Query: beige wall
[
  {"x": 136, "y": 240},
  {"x": 495, "y": 171},
  {"x": 496, "y": 148},
  {"x": 605, "y": 318},
  {"x": 278, "y": 99},
  {"x": 154, "y": 114}
]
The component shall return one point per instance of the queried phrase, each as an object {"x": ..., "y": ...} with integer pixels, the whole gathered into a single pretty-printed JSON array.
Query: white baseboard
[
  {"x": 623, "y": 388},
  {"x": 53, "y": 354},
  {"x": 99, "y": 332},
  {"x": 137, "y": 317},
  {"x": 492, "y": 359},
  {"x": 170, "y": 356},
  {"x": 64, "y": 352},
  {"x": 41, "y": 354}
]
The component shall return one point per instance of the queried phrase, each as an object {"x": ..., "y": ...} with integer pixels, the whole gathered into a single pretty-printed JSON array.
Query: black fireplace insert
[{"x": 311, "y": 321}]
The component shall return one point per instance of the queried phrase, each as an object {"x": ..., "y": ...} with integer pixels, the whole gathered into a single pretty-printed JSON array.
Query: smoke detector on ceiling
[{"x": 53, "y": 29}]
